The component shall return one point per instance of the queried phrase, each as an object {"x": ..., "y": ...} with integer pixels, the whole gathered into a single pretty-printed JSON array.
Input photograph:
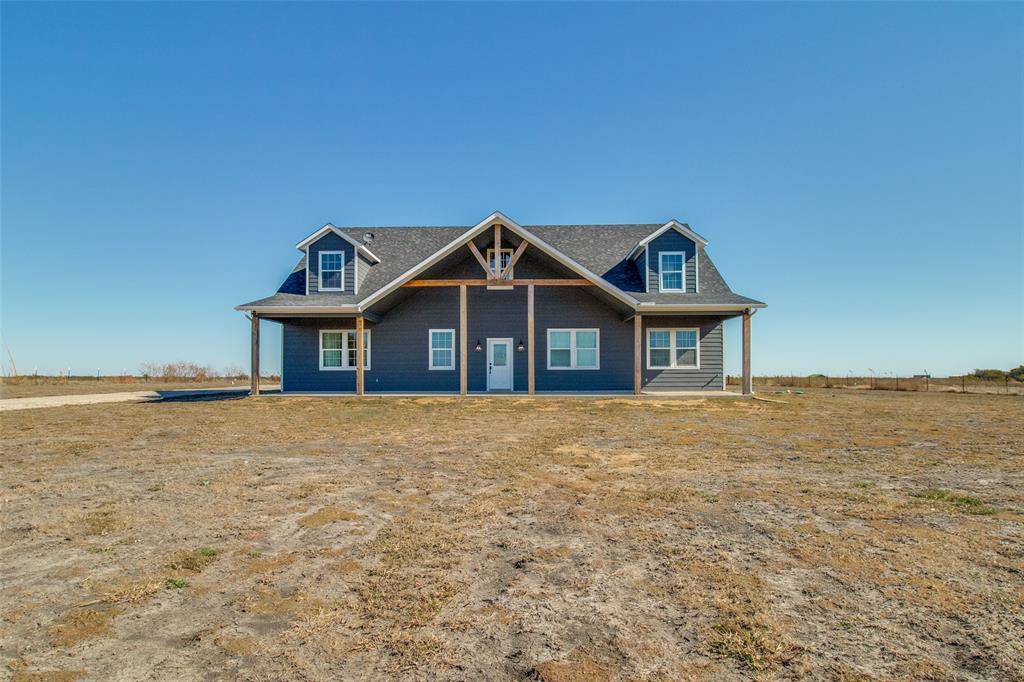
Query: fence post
[
  {"x": 963, "y": 383},
  {"x": 926, "y": 378},
  {"x": 897, "y": 382}
]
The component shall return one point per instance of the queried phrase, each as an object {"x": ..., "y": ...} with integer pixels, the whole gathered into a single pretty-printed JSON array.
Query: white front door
[{"x": 499, "y": 364}]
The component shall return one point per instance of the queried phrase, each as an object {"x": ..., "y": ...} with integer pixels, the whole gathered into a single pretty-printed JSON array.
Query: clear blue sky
[{"x": 857, "y": 166}]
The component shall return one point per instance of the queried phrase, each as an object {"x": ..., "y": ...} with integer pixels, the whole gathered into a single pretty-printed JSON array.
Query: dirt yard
[
  {"x": 28, "y": 387},
  {"x": 844, "y": 535}
]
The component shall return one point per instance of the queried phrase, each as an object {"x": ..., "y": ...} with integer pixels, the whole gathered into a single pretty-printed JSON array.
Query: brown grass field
[
  {"x": 851, "y": 535},
  {"x": 29, "y": 387}
]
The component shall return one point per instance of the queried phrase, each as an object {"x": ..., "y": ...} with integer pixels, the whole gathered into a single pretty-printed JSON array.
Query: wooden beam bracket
[
  {"x": 515, "y": 257},
  {"x": 480, "y": 259}
]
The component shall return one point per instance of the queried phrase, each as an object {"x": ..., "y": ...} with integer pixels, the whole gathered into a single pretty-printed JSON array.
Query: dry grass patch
[
  {"x": 79, "y": 625},
  {"x": 21, "y": 675},
  {"x": 965, "y": 503},
  {"x": 327, "y": 515},
  {"x": 127, "y": 590},
  {"x": 267, "y": 564},
  {"x": 99, "y": 522},
  {"x": 582, "y": 668},
  {"x": 194, "y": 560}
]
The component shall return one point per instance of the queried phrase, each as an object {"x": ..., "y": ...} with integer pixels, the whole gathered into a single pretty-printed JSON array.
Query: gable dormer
[
  {"x": 335, "y": 262},
  {"x": 669, "y": 259}
]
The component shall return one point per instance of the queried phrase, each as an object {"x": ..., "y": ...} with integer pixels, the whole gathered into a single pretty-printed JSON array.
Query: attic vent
[{"x": 368, "y": 237}]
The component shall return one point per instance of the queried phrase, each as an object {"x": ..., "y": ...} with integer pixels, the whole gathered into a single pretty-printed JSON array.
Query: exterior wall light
[
  {"x": 478, "y": 346},
  {"x": 520, "y": 348}
]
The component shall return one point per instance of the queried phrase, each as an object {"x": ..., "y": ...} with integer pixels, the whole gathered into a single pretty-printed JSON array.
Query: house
[{"x": 503, "y": 307}]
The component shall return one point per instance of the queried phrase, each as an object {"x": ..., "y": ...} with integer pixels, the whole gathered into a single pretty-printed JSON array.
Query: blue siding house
[{"x": 503, "y": 307}]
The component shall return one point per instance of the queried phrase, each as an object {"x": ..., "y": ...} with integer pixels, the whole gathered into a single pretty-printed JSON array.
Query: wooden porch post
[
  {"x": 360, "y": 354},
  {"x": 463, "y": 342},
  {"x": 746, "y": 382},
  {"x": 254, "y": 372},
  {"x": 638, "y": 346},
  {"x": 531, "y": 362}
]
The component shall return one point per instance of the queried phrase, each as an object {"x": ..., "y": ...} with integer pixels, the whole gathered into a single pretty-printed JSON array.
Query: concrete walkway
[{"x": 127, "y": 397}]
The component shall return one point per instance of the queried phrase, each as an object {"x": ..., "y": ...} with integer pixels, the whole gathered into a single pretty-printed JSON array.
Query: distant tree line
[
  {"x": 188, "y": 371},
  {"x": 1016, "y": 374}
]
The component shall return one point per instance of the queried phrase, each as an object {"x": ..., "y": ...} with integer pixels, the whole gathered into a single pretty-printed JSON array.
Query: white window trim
[
  {"x": 430, "y": 350},
  {"x": 345, "y": 349},
  {"x": 572, "y": 348},
  {"x": 661, "y": 270},
  {"x": 672, "y": 347},
  {"x": 647, "y": 270},
  {"x": 320, "y": 271},
  {"x": 490, "y": 255}
]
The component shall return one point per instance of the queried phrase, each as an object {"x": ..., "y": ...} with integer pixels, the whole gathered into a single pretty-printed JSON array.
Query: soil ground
[
  {"x": 27, "y": 387},
  {"x": 844, "y": 535}
]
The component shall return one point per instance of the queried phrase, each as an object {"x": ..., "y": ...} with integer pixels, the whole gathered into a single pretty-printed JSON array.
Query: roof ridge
[{"x": 466, "y": 227}]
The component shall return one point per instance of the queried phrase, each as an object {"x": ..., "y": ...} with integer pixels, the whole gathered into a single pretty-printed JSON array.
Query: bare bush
[
  {"x": 177, "y": 371},
  {"x": 235, "y": 372}
]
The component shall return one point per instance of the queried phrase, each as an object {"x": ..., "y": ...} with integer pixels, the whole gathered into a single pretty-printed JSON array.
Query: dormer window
[
  {"x": 672, "y": 266},
  {"x": 332, "y": 268}
]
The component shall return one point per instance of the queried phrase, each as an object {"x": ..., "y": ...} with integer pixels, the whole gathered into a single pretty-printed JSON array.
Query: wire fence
[{"x": 961, "y": 384}]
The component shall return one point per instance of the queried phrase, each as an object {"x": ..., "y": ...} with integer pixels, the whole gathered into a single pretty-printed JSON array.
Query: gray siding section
[
  {"x": 671, "y": 240},
  {"x": 330, "y": 242},
  {"x": 710, "y": 373}
]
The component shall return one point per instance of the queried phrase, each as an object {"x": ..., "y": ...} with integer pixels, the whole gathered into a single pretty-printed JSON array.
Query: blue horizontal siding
[
  {"x": 330, "y": 242},
  {"x": 400, "y": 342},
  {"x": 671, "y": 240}
]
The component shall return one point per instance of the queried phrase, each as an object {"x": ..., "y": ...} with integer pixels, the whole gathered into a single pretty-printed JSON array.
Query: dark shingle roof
[{"x": 602, "y": 249}]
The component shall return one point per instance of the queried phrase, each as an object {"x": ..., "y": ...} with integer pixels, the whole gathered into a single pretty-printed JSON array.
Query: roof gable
[
  {"x": 494, "y": 218},
  {"x": 681, "y": 228},
  {"x": 359, "y": 246}
]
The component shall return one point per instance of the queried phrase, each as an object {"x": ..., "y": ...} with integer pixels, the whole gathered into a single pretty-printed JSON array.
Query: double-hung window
[
  {"x": 574, "y": 349},
  {"x": 673, "y": 348},
  {"x": 338, "y": 349},
  {"x": 442, "y": 348},
  {"x": 672, "y": 269},
  {"x": 332, "y": 269}
]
